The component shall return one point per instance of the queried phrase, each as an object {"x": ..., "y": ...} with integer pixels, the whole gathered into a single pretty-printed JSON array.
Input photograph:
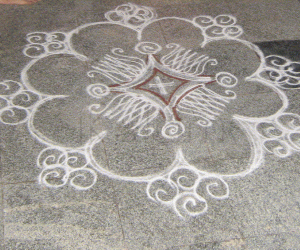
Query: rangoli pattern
[{"x": 152, "y": 86}]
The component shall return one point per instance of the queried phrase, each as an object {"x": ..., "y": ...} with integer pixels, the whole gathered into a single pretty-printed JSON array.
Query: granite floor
[{"x": 164, "y": 124}]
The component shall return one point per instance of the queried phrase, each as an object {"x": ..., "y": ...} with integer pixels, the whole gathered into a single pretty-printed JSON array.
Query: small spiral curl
[{"x": 173, "y": 129}]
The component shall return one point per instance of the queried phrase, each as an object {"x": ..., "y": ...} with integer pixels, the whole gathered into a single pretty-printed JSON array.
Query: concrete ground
[{"x": 150, "y": 125}]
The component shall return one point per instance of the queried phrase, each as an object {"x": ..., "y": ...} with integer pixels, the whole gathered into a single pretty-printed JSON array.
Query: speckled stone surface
[{"x": 111, "y": 192}]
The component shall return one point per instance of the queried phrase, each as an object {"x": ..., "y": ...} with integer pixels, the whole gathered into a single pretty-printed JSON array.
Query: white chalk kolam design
[{"x": 155, "y": 88}]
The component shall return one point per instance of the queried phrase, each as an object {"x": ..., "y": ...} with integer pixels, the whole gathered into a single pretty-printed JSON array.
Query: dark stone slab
[{"x": 288, "y": 49}]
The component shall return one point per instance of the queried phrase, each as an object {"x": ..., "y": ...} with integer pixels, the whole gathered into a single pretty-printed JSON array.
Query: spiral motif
[
  {"x": 268, "y": 130},
  {"x": 51, "y": 156},
  {"x": 82, "y": 179},
  {"x": 233, "y": 31},
  {"x": 225, "y": 20},
  {"x": 61, "y": 167},
  {"x": 226, "y": 79},
  {"x": 147, "y": 48},
  {"x": 294, "y": 140},
  {"x": 162, "y": 190},
  {"x": 54, "y": 46},
  {"x": 95, "y": 109},
  {"x": 9, "y": 87},
  {"x": 131, "y": 15},
  {"x": 34, "y": 50},
  {"x": 215, "y": 31},
  {"x": 204, "y": 122},
  {"x": 204, "y": 21},
  {"x": 282, "y": 71},
  {"x": 173, "y": 129},
  {"x": 190, "y": 204},
  {"x": 276, "y": 61},
  {"x": 277, "y": 147},
  {"x": 184, "y": 178},
  {"x": 293, "y": 69},
  {"x": 37, "y": 37},
  {"x": 218, "y": 27},
  {"x": 76, "y": 160},
  {"x": 13, "y": 115},
  {"x": 25, "y": 99},
  {"x": 41, "y": 43},
  {"x": 212, "y": 187},
  {"x": 218, "y": 188},
  {"x": 98, "y": 90},
  {"x": 55, "y": 176},
  {"x": 289, "y": 121}
]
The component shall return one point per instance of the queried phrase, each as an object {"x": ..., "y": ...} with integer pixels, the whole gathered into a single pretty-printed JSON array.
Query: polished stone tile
[
  {"x": 19, "y": 163},
  {"x": 267, "y": 20},
  {"x": 1, "y": 218},
  {"x": 149, "y": 225},
  {"x": 286, "y": 48},
  {"x": 38, "y": 217},
  {"x": 276, "y": 241},
  {"x": 262, "y": 211},
  {"x": 267, "y": 201}
]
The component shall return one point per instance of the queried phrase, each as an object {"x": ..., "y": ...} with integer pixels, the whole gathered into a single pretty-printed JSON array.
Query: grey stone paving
[{"x": 231, "y": 185}]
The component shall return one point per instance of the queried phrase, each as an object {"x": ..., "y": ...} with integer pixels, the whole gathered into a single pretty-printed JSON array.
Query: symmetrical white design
[
  {"x": 283, "y": 72},
  {"x": 129, "y": 109},
  {"x": 42, "y": 44},
  {"x": 60, "y": 165},
  {"x": 183, "y": 60},
  {"x": 131, "y": 15},
  {"x": 220, "y": 27},
  {"x": 182, "y": 188},
  {"x": 16, "y": 102},
  {"x": 205, "y": 104},
  {"x": 278, "y": 134},
  {"x": 135, "y": 94},
  {"x": 140, "y": 106},
  {"x": 148, "y": 48},
  {"x": 226, "y": 79},
  {"x": 119, "y": 68}
]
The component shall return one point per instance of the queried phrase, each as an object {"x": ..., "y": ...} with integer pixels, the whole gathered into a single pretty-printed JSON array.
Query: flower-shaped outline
[{"x": 282, "y": 128}]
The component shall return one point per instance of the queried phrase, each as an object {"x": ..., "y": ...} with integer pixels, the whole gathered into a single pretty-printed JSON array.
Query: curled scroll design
[
  {"x": 16, "y": 103},
  {"x": 220, "y": 27},
  {"x": 190, "y": 204},
  {"x": 282, "y": 72},
  {"x": 185, "y": 189},
  {"x": 226, "y": 79},
  {"x": 42, "y": 43},
  {"x": 148, "y": 48},
  {"x": 280, "y": 135},
  {"x": 173, "y": 129},
  {"x": 98, "y": 90},
  {"x": 60, "y": 166},
  {"x": 214, "y": 187},
  {"x": 131, "y": 15}
]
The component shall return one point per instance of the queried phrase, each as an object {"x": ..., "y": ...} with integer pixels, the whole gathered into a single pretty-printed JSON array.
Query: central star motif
[
  {"x": 173, "y": 84},
  {"x": 161, "y": 85},
  {"x": 164, "y": 86}
]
